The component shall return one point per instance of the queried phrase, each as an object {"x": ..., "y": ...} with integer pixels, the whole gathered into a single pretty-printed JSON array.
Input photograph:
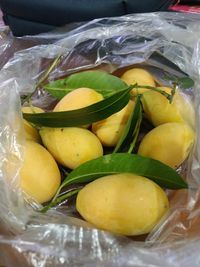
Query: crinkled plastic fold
[{"x": 160, "y": 41}]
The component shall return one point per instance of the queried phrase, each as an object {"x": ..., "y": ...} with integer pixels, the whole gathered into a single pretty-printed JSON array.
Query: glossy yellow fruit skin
[
  {"x": 125, "y": 204},
  {"x": 39, "y": 176},
  {"x": 159, "y": 110},
  {"x": 169, "y": 143},
  {"x": 71, "y": 146},
  {"x": 31, "y": 133},
  {"x": 78, "y": 98},
  {"x": 110, "y": 130},
  {"x": 139, "y": 76}
]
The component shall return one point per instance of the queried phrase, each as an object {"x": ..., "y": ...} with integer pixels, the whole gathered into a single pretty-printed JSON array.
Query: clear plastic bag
[{"x": 29, "y": 238}]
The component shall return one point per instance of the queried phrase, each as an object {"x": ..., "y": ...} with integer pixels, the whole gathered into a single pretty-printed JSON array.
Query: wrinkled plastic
[{"x": 29, "y": 238}]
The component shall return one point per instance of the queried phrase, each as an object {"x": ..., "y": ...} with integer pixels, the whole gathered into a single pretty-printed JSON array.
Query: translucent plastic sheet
[{"x": 29, "y": 238}]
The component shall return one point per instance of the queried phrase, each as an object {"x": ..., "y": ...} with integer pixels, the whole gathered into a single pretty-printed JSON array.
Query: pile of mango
[{"x": 121, "y": 203}]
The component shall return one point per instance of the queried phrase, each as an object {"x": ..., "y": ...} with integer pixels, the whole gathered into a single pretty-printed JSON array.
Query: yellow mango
[
  {"x": 158, "y": 109},
  {"x": 39, "y": 176},
  {"x": 78, "y": 98},
  {"x": 139, "y": 76},
  {"x": 169, "y": 143},
  {"x": 125, "y": 204},
  {"x": 110, "y": 129},
  {"x": 31, "y": 133},
  {"x": 71, "y": 146}
]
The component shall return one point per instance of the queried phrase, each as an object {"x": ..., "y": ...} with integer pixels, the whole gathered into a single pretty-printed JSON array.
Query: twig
[
  {"x": 43, "y": 78},
  {"x": 59, "y": 200}
]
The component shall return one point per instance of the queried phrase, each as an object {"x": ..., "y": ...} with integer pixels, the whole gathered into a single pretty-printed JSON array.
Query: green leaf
[
  {"x": 102, "y": 82},
  {"x": 115, "y": 163},
  {"x": 87, "y": 115},
  {"x": 185, "y": 82},
  {"x": 135, "y": 135},
  {"x": 131, "y": 125}
]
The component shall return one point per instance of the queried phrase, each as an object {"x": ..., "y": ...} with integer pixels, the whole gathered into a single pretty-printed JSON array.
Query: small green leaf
[
  {"x": 87, "y": 115},
  {"x": 115, "y": 163},
  {"x": 102, "y": 82},
  {"x": 185, "y": 82},
  {"x": 131, "y": 124}
]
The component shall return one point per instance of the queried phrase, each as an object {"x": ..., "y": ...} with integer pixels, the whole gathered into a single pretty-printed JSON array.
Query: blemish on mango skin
[{"x": 107, "y": 159}]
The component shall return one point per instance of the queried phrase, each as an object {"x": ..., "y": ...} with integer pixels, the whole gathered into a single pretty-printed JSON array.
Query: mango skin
[
  {"x": 125, "y": 204},
  {"x": 71, "y": 146},
  {"x": 31, "y": 133},
  {"x": 78, "y": 98},
  {"x": 169, "y": 143},
  {"x": 139, "y": 76},
  {"x": 110, "y": 129},
  {"x": 39, "y": 176},
  {"x": 158, "y": 110}
]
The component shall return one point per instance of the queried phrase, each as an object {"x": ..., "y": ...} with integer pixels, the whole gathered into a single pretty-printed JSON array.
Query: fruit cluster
[{"x": 123, "y": 203}]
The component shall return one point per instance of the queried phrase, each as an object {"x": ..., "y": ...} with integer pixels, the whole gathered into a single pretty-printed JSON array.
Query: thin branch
[{"x": 42, "y": 79}]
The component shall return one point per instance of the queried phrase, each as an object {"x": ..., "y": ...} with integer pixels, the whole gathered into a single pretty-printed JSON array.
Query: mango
[
  {"x": 31, "y": 133},
  {"x": 159, "y": 110},
  {"x": 125, "y": 204},
  {"x": 39, "y": 175},
  {"x": 139, "y": 76},
  {"x": 71, "y": 146},
  {"x": 169, "y": 143},
  {"x": 110, "y": 129},
  {"x": 78, "y": 98}
]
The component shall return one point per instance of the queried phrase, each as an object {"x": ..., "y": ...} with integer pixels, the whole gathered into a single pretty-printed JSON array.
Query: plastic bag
[{"x": 29, "y": 238}]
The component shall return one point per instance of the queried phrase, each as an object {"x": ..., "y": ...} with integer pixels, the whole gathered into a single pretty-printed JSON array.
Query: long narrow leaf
[
  {"x": 131, "y": 124},
  {"x": 160, "y": 173},
  {"x": 135, "y": 135},
  {"x": 87, "y": 115},
  {"x": 100, "y": 81}
]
